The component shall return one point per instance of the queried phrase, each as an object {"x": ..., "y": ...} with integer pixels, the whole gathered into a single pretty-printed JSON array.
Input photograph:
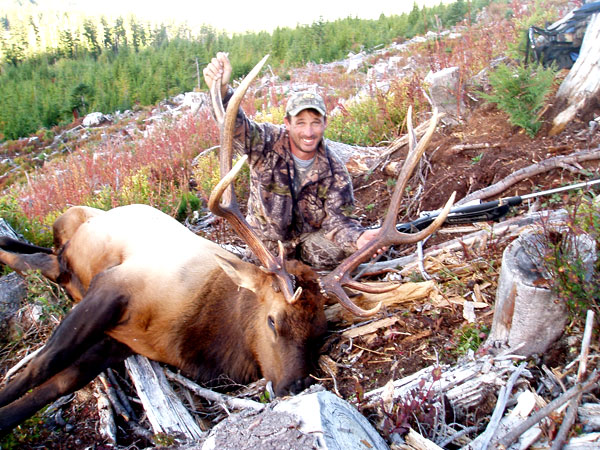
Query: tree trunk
[{"x": 580, "y": 89}]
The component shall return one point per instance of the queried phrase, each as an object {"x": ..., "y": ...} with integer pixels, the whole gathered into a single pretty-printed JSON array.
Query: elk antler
[
  {"x": 332, "y": 283},
  {"x": 222, "y": 201}
]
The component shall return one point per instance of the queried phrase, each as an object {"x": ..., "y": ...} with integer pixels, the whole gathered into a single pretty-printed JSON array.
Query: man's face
[{"x": 306, "y": 131}]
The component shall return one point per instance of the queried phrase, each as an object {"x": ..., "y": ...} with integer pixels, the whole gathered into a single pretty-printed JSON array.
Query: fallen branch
[
  {"x": 164, "y": 409},
  {"x": 529, "y": 171},
  {"x": 503, "y": 397},
  {"x": 20, "y": 364},
  {"x": 419, "y": 442},
  {"x": 463, "y": 385},
  {"x": 124, "y": 400},
  {"x": 509, "y": 438},
  {"x": 113, "y": 397},
  {"x": 222, "y": 399},
  {"x": 571, "y": 413},
  {"x": 400, "y": 142},
  {"x": 107, "y": 426},
  {"x": 400, "y": 294},
  {"x": 463, "y": 147}
]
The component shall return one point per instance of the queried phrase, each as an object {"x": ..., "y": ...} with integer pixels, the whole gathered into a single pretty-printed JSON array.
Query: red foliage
[{"x": 166, "y": 154}]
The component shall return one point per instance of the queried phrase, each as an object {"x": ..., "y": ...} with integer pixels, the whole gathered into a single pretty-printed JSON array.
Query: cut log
[
  {"x": 581, "y": 88},
  {"x": 107, "y": 425}
]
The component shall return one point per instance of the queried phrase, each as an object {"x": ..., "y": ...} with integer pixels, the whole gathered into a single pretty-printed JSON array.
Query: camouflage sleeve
[{"x": 340, "y": 224}]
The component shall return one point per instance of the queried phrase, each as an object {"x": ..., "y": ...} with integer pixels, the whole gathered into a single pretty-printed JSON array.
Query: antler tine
[
  {"x": 332, "y": 283},
  {"x": 217, "y": 101},
  {"x": 222, "y": 201}
]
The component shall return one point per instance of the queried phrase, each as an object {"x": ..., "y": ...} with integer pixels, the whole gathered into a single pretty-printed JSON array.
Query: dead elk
[
  {"x": 146, "y": 284},
  {"x": 152, "y": 287}
]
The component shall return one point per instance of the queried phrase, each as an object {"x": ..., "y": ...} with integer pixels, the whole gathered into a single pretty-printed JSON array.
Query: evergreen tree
[
  {"x": 90, "y": 33},
  {"x": 119, "y": 34},
  {"x": 67, "y": 44},
  {"x": 107, "y": 39}
]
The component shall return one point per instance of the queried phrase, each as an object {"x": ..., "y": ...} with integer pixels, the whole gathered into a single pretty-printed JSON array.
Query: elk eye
[{"x": 271, "y": 323}]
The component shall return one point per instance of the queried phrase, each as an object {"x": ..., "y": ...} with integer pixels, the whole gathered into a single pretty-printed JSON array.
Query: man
[{"x": 300, "y": 193}]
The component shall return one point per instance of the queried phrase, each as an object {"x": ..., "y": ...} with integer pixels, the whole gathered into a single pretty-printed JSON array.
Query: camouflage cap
[{"x": 300, "y": 101}]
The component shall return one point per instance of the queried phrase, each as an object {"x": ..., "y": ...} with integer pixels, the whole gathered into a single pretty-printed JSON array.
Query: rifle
[{"x": 482, "y": 212}]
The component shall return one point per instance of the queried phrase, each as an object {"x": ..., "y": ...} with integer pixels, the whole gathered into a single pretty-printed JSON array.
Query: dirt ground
[{"x": 426, "y": 333}]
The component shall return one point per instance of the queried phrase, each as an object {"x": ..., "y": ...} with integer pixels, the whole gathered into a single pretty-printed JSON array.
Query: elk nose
[{"x": 295, "y": 387}]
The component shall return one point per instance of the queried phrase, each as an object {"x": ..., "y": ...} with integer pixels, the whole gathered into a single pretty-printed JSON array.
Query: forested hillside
[{"x": 58, "y": 66}]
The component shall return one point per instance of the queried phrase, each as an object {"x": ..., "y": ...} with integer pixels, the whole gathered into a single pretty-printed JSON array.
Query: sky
[{"x": 241, "y": 15}]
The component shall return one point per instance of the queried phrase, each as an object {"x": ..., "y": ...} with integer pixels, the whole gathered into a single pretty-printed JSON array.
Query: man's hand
[
  {"x": 219, "y": 67},
  {"x": 367, "y": 236}
]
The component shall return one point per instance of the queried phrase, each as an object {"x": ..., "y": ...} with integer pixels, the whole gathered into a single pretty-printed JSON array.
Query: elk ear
[{"x": 243, "y": 274}]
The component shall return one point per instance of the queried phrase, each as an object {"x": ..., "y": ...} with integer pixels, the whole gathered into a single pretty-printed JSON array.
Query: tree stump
[{"x": 528, "y": 316}]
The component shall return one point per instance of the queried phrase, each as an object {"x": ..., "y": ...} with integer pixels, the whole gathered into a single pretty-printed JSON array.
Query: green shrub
[
  {"x": 188, "y": 204},
  {"x": 568, "y": 274},
  {"x": 352, "y": 127},
  {"x": 520, "y": 91},
  {"x": 39, "y": 233}
]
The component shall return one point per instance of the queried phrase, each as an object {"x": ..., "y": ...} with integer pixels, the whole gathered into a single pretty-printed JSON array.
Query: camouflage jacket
[{"x": 325, "y": 200}]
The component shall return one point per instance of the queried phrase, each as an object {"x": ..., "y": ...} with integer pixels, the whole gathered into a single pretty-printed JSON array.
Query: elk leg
[
  {"x": 14, "y": 245},
  {"x": 22, "y": 262},
  {"x": 97, "y": 358},
  {"x": 82, "y": 328}
]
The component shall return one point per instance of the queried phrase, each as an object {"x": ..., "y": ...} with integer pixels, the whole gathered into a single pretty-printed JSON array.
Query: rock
[
  {"x": 445, "y": 94},
  {"x": 95, "y": 119},
  {"x": 6, "y": 229},
  {"x": 194, "y": 101},
  {"x": 13, "y": 290}
]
